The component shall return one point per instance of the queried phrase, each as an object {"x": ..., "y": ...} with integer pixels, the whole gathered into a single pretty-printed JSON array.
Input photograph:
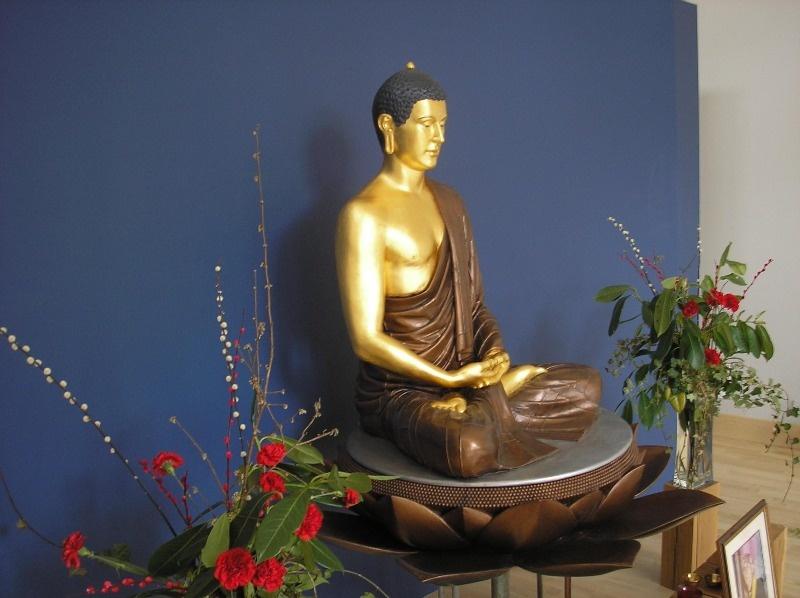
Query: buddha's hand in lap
[
  {"x": 480, "y": 373},
  {"x": 451, "y": 402}
]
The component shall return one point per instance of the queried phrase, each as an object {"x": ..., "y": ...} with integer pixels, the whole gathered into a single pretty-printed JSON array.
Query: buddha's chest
[{"x": 413, "y": 233}]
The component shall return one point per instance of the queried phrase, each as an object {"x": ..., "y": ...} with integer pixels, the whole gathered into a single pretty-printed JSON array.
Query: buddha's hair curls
[{"x": 398, "y": 94}]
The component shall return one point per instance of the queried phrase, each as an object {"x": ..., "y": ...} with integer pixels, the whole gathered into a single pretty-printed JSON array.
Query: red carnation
[
  {"x": 713, "y": 357},
  {"x": 730, "y": 301},
  {"x": 271, "y": 454},
  {"x": 311, "y": 523},
  {"x": 70, "y": 550},
  {"x": 714, "y": 297},
  {"x": 269, "y": 575},
  {"x": 235, "y": 568},
  {"x": 272, "y": 482},
  {"x": 351, "y": 498},
  {"x": 165, "y": 463},
  {"x": 690, "y": 309}
]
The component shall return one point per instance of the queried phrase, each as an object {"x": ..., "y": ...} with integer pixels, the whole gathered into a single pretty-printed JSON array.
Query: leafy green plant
[{"x": 688, "y": 345}]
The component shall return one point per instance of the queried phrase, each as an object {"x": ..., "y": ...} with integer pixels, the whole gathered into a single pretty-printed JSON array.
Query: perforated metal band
[{"x": 498, "y": 496}]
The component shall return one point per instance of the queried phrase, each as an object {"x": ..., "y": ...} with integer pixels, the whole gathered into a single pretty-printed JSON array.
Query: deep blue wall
[{"x": 125, "y": 174}]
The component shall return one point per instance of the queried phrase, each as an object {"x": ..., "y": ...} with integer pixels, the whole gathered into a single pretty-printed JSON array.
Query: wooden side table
[{"x": 685, "y": 547}]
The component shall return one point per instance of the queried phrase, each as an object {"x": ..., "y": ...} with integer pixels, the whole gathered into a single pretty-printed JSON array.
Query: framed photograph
[{"x": 746, "y": 557}]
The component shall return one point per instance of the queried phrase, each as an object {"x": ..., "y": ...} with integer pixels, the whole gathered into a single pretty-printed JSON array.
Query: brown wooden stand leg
[
  {"x": 539, "y": 588},
  {"x": 567, "y": 587},
  {"x": 685, "y": 547}
]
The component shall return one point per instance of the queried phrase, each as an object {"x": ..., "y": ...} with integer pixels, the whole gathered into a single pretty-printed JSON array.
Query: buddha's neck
[{"x": 401, "y": 177}]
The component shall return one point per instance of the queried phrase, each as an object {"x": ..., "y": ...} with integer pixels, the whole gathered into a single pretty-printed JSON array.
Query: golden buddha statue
[{"x": 434, "y": 376}]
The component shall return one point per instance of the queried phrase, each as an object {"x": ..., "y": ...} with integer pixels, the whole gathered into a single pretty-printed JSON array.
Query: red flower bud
[
  {"x": 690, "y": 309},
  {"x": 234, "y": 568},
  {"x": 311, "y": 524},
  {"x": 351, "y": 498},
  {"x": 165, "y": 463},
  {"x": 713, "y": 356},
  {"x": 70, "y": 549},
  {"x": 269, "y": 575},
  {"x": 271, "y": 454},
  {"x": 730, "y": 301}
]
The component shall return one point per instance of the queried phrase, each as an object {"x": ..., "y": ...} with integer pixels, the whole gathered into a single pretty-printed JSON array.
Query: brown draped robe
[{"x": 448, "y": 324}]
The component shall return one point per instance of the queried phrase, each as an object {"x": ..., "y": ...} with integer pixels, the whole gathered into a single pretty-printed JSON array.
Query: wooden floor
[{"x": 746, "y": 474}]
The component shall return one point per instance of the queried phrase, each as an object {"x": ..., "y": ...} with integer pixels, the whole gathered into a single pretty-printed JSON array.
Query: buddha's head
[{"x": 409, "y": 113}]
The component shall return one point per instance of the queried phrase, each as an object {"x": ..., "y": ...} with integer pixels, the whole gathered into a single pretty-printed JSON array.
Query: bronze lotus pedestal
[{"x": 574, "y": 513}]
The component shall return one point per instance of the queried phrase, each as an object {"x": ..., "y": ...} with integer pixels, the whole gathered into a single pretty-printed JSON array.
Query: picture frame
[{"x": 746, "y": 557}]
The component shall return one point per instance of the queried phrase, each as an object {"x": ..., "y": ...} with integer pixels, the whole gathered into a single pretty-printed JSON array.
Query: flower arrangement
[
  {"x": 687, "y": 353},
  {"x": 260, "y": 538}
]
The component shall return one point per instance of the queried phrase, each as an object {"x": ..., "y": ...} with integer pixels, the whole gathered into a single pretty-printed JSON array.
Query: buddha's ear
[{"x": 386, "y": 126}]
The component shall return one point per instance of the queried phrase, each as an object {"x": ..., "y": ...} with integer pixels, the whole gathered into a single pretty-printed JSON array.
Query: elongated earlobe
[{"x": 386, "y": 125}]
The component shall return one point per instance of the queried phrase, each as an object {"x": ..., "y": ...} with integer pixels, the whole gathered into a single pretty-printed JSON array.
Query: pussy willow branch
[
  {"x": 84, "y": 408},
  {"x": 21, "y": 517}
]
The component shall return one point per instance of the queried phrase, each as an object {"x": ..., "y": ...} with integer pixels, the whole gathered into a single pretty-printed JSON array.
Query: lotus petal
[
  {"x": 360, "y": 534},
  {"x": 586, "y": 505},
  {"x": 417, "y": 525},
  {"x": 655, "y": 459},
  {"x": 456, "y": 567},
  {"x": 620, "y": 495},
  {"x": 528, "y": 525},
  {"x": 580, "y": 558},
  {"x": 467, "y": 521},
  {"x": 653, "y": 514}
]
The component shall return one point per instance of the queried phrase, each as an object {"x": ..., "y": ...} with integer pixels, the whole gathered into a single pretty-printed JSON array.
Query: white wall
[{"x": 749, "y": 69}]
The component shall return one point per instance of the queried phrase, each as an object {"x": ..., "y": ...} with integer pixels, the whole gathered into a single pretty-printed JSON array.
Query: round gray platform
[{"x": 608, "y": 440}]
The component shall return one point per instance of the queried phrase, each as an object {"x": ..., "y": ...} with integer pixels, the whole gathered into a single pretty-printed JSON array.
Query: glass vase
[{"x": 693, "y": 463}]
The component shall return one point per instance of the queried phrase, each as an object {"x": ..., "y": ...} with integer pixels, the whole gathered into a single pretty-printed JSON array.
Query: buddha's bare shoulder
[{"x": 368, "y": 205}]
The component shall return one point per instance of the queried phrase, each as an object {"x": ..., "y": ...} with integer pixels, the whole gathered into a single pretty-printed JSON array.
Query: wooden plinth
[{"x": 685, "y": 547}]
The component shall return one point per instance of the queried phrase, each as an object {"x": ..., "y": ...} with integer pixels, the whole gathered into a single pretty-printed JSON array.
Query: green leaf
[
  {"x": 765, "y": 340},
  {"x": 179, "y": 553},
  {"x": 358, "y": 481},
  {"x": 665, "y": 343},
  {"x": 325, "y": 557},
  {"x": 737, "y": 267},
  {"x": 119, "y": 564},
  {"x": 308, "y": 556},
  {"x": 707, "y": 283},
  {"x": 692, "y": 349},
  {"x": 646, "y": 412},
  {"x": 612, "y": 293},
  {"x": 158, "y": 593},
  {"x": 616, "y": 313},
  {"x": 641, "y": 373},
  {"x": 724, "y": 257},
  {"x": 280, "y": 522},
  {"x": 669, "y": 283},
  {"x": 203, "y": 585},
  {"x": 244, "y": 524},
  {"x": 118, "y": 551},
  {"x": 663, "y": 312},
  {"x": 735, "y": 279},
  {"x": 724, "y": 338},
  {"x": 739, "y": 339},
  {"x": 647, "y": 314},
  {"x": 300, "y": 453},
  {"x": 218, "y": 541},
  {"x": 627, "y": 412},
  {"x": 752, "y": 341}
]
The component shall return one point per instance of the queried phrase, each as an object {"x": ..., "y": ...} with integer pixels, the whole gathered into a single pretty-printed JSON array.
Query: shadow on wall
[{"x": 307, "y": 269}]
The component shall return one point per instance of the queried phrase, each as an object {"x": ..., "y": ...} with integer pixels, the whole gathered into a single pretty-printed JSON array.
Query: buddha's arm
[{"x": 360, "y": 248}]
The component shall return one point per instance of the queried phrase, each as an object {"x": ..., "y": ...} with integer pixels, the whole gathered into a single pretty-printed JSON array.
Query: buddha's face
[{"x": 418, "y": 141}]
